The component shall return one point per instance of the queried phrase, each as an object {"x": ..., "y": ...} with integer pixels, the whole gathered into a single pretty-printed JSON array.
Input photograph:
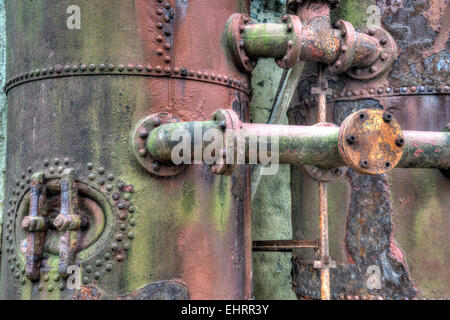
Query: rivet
[
  {"x": 123, "y": 216},
  {"x": 67, "y": 68},
  {"x": 83, "y": 67},
  {"x": 114, "y": 246},
  {"x": 51, "y": 170},
  {"x": 92, "y": 67},
  {"x": 56, "y": 278},
  {"x": 351, "y": 139},
  {"x": 121, "y": 67},
  {"x": 86, "y": 280},
  {"x": 46, "y": 278},
  {"x": 111, "y": 67},
  {"x": 383, "y": 41},
  {"x": 132, "y": 222},
  {"x": 116, "y": 196},
  {"x": 107, "y": 256},
  {"x": 119, "y": 257},
  {"x": 159, "y": 25},
  {"x": 372, "y": 31},
  {"x": 109, "y": 267},
  {"x": 110, "y": 177},
  {"x": 98, "y": 262},
  {"x": 66, "y": 161},
  {"x": 130, "y": 67},
  {"x": 167, "y": 32},
  {"x": 158, "y": 69},
  {"x": 121, "y": 206},
  {"x": 380, "y": 90},
  {"x": 40, "y": 287},
  {"x": 90, "y": 166},
  {"x": 373, "y": 69},
  {"x": 126, "y": 246},
  {"x": 155, "y": 166},
  {"x": 148, "y": 68},
  {"x": 131, "y": 209},
  {"x": 399, "y": 141},
  {"x": 159, "y": 11},
  {"x": 166, "y": 18},
  {"x": 62, "y": 286},
  {"x": 123, "y": 226},
  {"x": 60, "y": 169},
  {"x": 167, "y": 59},
  {"x": 119, "y": 237},
  {"x": 404, "y": 89},
  {"x": 101, "y": 66},
  {"x": 167, "y": 5},
  {"x": 384, "y": 56},
  {"x": 130, "y": 235},
  {"x": 109, "y": 187},
  {"x": 75, "y": 68},
  {"x": 101, "y": 181},
  {"x": 371, "y": 90}
]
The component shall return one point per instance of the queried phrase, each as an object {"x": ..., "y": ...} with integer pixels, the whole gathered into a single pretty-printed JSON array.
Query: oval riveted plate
[{"x": 371, "y": 141}]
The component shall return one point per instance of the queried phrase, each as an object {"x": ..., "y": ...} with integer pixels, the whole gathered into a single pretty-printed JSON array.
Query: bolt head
[{"x": 387, "y": 117}]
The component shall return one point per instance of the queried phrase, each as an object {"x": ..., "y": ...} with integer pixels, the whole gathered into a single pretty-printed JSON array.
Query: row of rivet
[
  {"x": 108, "y": 69},
  {"x": 379, "y": 92}
]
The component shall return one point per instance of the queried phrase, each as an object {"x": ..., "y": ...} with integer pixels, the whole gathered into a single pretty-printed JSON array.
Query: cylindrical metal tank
[
  {"x": 392, "y": 228},
  {"x": 74, "y": 96}
]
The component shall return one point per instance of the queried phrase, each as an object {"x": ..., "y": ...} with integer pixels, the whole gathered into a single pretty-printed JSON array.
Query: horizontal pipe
[
  {"x": 266, "y": 40},
  {"x": 283, "y": 245},
  {"x": 426, "y": 149},
  {"x": 305, "y": 145}
]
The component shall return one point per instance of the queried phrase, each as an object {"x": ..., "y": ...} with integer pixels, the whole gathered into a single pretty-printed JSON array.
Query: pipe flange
[
  {"x": 235, "y": 29},
  {"x": 294, "y": 45},
  {"x": 387, "y": 55},
  {"x": 230, "y": 123},
  {"x": 348, "y": 48},
  {"x": 138, "y": 142},
  {"x": 319, "y": 174},
  {"x": 371, "y": 141}
]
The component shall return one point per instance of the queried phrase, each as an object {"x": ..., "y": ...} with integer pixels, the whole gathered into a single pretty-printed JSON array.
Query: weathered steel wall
[
  {"x": 397, "y": 222},
  {"x": 2, "y": 110},
  {"x": 74, "y": 96}
]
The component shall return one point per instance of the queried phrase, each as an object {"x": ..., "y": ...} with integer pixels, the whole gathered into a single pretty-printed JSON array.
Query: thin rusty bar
[
  {"x": 323, "y": 242},
  {"x": 283, "y": 245}
]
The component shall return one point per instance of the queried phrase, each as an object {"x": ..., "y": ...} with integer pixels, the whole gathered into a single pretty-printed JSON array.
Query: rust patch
[
  {"x": 87, "y": 293},
  {"x": 438, "y": 16}
]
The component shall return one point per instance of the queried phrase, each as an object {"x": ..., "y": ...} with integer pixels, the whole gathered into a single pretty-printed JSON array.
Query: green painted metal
[{"x": 266, "y": 40}]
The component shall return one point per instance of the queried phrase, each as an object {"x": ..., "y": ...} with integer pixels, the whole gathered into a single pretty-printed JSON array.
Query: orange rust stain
[{"x": 438, "y": 16}]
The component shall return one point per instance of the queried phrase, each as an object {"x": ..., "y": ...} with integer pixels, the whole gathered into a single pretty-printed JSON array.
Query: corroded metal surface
[
  {"x": 371, "y": 141},
  {"x": 128, "y": 61}
]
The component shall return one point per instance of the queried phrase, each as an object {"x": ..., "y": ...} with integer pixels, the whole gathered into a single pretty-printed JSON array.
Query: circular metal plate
[
  {"x": 138, "y": 144},
  {"x": 371, "y": 141}
]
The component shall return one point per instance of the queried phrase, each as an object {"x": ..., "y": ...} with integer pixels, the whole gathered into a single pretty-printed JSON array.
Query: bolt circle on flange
[
  {"x": 292, "y": 55},
  {"x": 348, "y": 49},
  {"x": 235, "y": 26},
  {"x": 388, "y": 53},
  {"x": 228, "y": 120},
  {"x": 138, "y": 142},
  {"x": 376, "y": 149}
]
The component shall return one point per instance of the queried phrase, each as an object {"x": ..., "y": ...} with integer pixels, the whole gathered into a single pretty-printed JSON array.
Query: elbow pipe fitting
[{"x": 362, "y": 55}]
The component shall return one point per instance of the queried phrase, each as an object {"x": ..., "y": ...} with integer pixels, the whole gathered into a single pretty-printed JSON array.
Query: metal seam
[{"x": 92, "y": 70}]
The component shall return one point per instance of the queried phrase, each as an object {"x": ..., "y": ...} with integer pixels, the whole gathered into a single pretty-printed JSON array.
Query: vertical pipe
[{"x": 323, "y": 242}]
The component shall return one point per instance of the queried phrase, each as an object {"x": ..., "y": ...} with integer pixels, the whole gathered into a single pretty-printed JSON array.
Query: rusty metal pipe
[
  {"x": 426, "y": 149},
  {"x": 306, "y": 145},
  {"x": 265, "y": 40}
]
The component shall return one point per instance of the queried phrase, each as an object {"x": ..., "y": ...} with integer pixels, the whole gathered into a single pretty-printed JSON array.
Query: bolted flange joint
[
  {"x": 246, "y": 42},
  {"x": 230, "y": 125},
  {"x": 138, "y": 142},
  {"x": 368, "y": 141}
]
